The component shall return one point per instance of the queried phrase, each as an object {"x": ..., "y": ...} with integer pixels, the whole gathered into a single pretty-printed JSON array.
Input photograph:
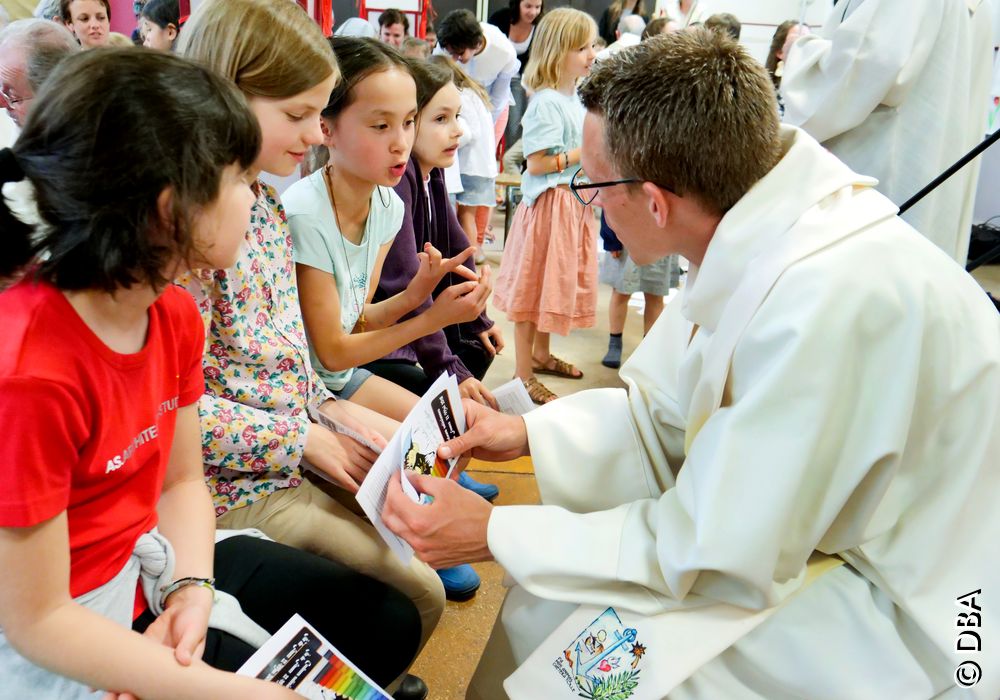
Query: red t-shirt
[{"x": 88, "y": 430}]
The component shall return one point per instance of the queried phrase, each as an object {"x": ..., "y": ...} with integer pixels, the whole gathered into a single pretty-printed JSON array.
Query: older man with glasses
[
  {"x": 29, "y": 50},
  {"x": 796, "y": 496}
]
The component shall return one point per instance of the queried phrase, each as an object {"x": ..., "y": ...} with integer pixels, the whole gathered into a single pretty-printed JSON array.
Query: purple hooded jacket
[{"x": 444, "y": 232}]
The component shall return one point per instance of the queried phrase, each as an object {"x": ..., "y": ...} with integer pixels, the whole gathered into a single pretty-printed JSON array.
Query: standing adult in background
[
  {"x": 686, "y": 12},
  {"x": 897, "y": 89},
  {"x": 393, "y": 26},
  {"x": 613, "y": 14},
  {"x": 89, "y": 20},
  {"x": 629, "y": 33},
  {"x": 517, "y": 21},
  {"x": 485, "y": 53}
]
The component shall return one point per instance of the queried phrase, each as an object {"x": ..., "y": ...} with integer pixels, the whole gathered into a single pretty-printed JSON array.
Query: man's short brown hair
[
  {"x": 689, "y": 111},
  {"x": 393, "y": 16}
]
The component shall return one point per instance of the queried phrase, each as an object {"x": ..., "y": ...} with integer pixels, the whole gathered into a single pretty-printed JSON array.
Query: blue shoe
[
  {"x": 460, "y": 582},
  {"x": 487, "y": 491}
]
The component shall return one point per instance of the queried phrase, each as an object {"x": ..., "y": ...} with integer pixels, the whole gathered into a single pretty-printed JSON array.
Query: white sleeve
[
  {"x": 763, "y": 481},
  {"x": 834, "y": 81}
]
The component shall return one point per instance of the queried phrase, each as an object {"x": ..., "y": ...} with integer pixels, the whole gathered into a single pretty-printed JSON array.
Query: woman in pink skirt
[{"x": 548, "y": 277}]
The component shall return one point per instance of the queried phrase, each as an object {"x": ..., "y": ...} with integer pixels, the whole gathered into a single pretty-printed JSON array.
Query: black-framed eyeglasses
[{"x": 580, "y": 182}]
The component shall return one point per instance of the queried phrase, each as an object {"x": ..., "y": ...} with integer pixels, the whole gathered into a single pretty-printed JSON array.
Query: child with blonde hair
[
  {"x": 548, "y": 277},
  {"x": 268, "y": 465}
]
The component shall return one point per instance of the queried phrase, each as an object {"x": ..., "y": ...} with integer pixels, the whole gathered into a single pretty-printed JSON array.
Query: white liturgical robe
[
  {"x": 828, "y": 381},
  {"x": 899, "y": 90}
]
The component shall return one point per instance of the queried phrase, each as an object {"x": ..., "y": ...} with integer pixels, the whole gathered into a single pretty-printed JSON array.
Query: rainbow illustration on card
[{"x": 345, "y": 681}]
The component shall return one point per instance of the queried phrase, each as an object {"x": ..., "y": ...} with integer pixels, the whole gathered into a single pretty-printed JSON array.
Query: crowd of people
[{"x": 176, "y": 329}]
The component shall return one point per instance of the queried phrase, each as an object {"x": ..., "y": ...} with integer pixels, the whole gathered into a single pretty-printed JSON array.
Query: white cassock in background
[{"x": 896, "y": 89}]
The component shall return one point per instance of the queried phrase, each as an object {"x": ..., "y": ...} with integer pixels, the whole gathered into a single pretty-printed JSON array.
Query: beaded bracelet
[{"x": 167, "y": 591}]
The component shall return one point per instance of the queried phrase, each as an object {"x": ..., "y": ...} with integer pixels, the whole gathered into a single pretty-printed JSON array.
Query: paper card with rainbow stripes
[{"x": 299, "y": 658}]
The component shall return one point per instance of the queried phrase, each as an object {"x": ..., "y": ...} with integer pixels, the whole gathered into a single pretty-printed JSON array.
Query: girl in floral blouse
[{"x": 259, "y": 443}]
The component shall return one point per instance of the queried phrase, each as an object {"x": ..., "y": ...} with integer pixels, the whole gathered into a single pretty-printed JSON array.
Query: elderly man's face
[
  {"x": 626, "y": 206},
  {"x": 16, "y": 94}
]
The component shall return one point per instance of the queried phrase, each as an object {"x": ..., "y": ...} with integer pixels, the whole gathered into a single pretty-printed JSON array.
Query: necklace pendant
[{"x": 362, "y": 322}]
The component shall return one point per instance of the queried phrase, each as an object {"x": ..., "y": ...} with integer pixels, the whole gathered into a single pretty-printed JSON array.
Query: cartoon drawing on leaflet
[{"x": 603, "y": 660}]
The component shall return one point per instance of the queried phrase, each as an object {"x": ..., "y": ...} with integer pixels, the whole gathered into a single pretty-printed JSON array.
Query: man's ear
[{"x": 658, "y": 201}]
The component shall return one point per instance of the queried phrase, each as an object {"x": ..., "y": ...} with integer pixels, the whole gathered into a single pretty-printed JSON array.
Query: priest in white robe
[
  {"x": 796, "y": 497},
  {"x": 899, "y": 90}
]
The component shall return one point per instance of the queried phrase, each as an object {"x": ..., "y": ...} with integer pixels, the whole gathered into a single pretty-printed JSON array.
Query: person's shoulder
[
  {"x": 303, "y": 197},
  {"x": 180, "y": 313},
  {"x": 498, "y": 40},
  {"x": 501, "y": 19},
  {"x": 28, "y": 311}
]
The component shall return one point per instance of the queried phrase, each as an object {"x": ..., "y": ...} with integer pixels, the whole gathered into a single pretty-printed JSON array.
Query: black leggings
[
  {"x": 373, "y": 625},
  {"x": 411, "y": 377}
]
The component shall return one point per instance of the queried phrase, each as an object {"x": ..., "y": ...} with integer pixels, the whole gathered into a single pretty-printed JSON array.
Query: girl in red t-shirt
[{"x": 139, "y": 161}]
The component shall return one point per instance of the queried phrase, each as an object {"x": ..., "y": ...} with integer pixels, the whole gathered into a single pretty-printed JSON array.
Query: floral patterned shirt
[{"x": 259, "y": 382}]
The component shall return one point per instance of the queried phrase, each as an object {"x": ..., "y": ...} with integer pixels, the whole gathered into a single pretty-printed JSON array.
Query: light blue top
[
  {"x": 552, "y": 123},
  {"x": 317, "y": 242}
]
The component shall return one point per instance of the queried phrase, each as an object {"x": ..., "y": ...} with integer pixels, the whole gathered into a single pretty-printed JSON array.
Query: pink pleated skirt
[{"x": 548, "y": 275}]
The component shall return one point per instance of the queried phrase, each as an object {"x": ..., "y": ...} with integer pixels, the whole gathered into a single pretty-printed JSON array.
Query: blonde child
[
  {"x": 343, "y": 220},
  {"x": 259, "y": 443},
  {"x": 103, "y": 486},
  {"x": 548, "y": 277}
]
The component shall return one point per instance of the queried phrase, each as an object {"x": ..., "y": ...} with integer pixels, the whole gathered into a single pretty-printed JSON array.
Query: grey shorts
[
  {"x": 477, "y": 192},
  {"x": 628, "y": 278},
  {"x": 358, "y": 377}
]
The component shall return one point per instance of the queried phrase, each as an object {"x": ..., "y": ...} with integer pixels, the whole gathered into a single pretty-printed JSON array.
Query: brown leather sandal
[
  {"x": 559, "y": 368},
  {"x": 538, "y": 392}
]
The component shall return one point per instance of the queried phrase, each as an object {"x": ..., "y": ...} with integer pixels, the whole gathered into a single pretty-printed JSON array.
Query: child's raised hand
[
  {"x": 464, "y": 302},
  {"x": 432, "y": 267}
]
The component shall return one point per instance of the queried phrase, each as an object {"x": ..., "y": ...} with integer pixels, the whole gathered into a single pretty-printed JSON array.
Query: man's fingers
[
  {"x": 397, "y": 505},
  {"x": 460, "y": 445}
]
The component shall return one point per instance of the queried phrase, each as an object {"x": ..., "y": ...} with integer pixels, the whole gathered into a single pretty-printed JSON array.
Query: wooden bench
[{"x": 510, "y": 182}]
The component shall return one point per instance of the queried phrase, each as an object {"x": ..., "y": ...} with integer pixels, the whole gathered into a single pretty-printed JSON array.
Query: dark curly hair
[{"x": 100, "y": 158}]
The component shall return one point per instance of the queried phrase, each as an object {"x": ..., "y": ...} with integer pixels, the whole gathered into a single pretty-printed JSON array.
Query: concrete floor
[{"x": 450, "y": 657}]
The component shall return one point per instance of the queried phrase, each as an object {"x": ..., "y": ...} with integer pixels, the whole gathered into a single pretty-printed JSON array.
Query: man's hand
[
  {"x": 492, "y": 340},
  {"x": 447, "y": 532},
  {"x": 474, "y": 389},
  {"x": 489, "y": 435},
  {"x": 344, "y": 460}
]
